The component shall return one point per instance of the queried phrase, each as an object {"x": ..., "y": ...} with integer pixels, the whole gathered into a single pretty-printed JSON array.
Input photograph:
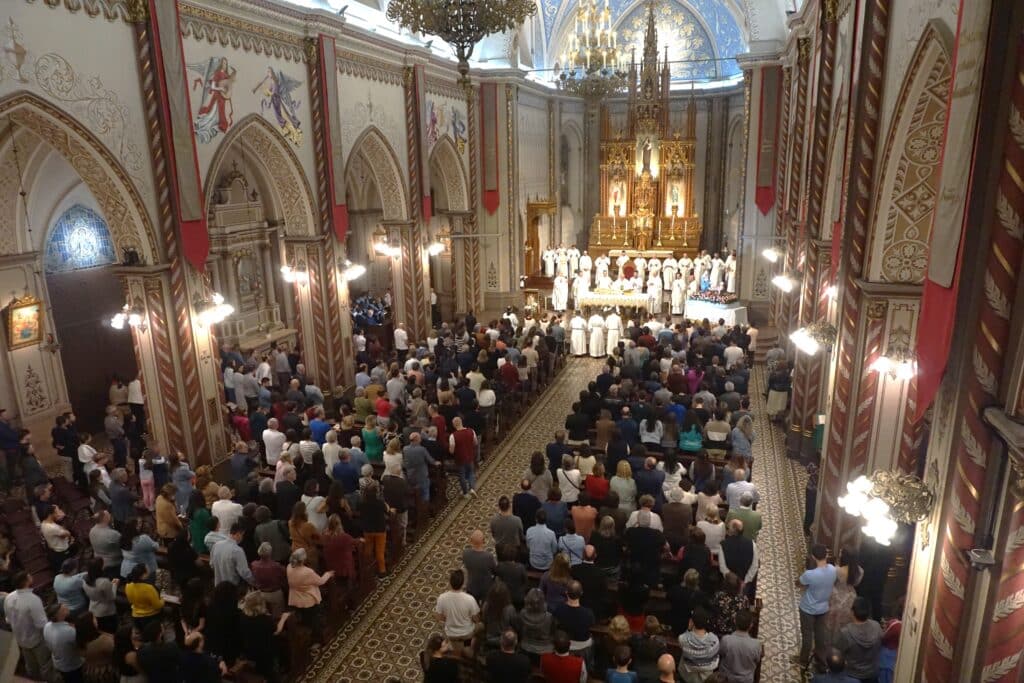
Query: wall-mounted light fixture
[
  {"x": 771, "y": 254},
  {"x": 131, "y": 314},
  {"x": 784, "y": 282},
  {"x": 435, "y": 248},
  {"x": 351, "y": 271},
  {"x": 886, "y": 499},
  {"x": 212, "y": 310},
  {"x": 298, "y": 273},
  {"x": 832, "y": 292},
  {"x": 819, "y": 335},
  {"x": 899, "y": 362}
]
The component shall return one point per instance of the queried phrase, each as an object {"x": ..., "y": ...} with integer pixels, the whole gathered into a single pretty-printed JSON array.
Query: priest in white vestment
[
  {"x": 560, "y": 293},
  {"x": 602, "y": 264},
  {"x": 578, "y": 335},
  {"x": 668, "y": 272},
  {"x": 654, "y": 295},
  {"x": 716, "y": 272},
  {"x": 685, "y": 268},
  {"x": 613, "y": 330},
  {"x": 548, "y": 257},
  {"x": 596, "y": 325},
  {"x": 640, "y": 263},
  {"x": 580, "y": 286},
  {"x": 604, "y": 281},
  {"x": 586, "y": 263},
  {"x": 574, "y": 259},
  {"x": 562, "y": 262},
  {"x": 654, "y": 266},
  {"x": 679, "y": 294},
  {"x": 621, "y": 261},
  {"x": 730, "y": 273}
]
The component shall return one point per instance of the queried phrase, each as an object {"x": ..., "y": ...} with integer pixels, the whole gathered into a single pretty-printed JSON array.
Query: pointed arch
[
  {"x": 446, "y": 159},
  {"x": 373, "y": 149},
  {"x": 126, "y": 216},
  {"x": 284, "y": 182},
  {"x": 910, "y": 171}
]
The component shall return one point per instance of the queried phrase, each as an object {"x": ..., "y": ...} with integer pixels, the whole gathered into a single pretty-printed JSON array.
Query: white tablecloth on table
[
  {"x": 639, "y": 300},
  {"x": 733, "y": 314}
]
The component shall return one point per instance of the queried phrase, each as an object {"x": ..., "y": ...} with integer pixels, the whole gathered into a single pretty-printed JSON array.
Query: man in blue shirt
[
  {"x": 814, "y": 605},
  {"x": 318, "y": 427},
  {"x": 346, "y": 471},
  {"x": 541, "y": 542},
  {"x": 556, "y": 450}
]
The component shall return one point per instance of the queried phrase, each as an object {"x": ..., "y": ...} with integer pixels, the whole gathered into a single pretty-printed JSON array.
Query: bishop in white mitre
[
  {"x": 560, "y": 293},
  {"x": 578, "y": 335},
  {"x": 596, "y": 325},
  {"x": 562, "y": 262},
  {"x": 548, "y": 257},
  {"x": 668, "y": 272},
  {"x": 613, "y": 331}
]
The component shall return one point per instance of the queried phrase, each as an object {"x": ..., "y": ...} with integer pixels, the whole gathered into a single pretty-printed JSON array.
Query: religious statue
[{"x": 646, "y": 155}]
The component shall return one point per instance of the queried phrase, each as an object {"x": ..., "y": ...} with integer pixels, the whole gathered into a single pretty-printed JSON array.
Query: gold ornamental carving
[
  {"x": 803, "y": 46},
  {"x": 201, "y": 23},
  {"x": 830, "y": 9},
  {"x": 876, "y": 310}
]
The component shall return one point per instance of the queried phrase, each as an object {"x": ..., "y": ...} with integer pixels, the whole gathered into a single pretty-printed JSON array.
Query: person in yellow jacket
[{"x": 143, "y": 597}]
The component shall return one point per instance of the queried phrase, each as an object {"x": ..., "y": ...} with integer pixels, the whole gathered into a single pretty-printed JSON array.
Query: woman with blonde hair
[
  {"x": 304, "y": 591},
  {"x": 393, "y": 455},
  {"x": 713, "y": 528},
  {"x": 618, "y": 636},
  {"x": 624, "y": 485}
]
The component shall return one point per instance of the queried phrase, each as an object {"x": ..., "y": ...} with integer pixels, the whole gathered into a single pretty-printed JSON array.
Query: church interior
[{"x": 528, "y": 340}]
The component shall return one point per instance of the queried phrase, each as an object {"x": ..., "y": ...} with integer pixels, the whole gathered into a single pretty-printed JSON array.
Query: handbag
[{"x": 691, "y": 440}]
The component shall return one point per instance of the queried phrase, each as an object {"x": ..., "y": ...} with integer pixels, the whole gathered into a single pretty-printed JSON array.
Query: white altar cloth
[{"x": 733, "y": 314}]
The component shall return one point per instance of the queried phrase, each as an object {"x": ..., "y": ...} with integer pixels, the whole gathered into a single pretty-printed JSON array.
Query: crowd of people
[{"x": 629, "y": 550}]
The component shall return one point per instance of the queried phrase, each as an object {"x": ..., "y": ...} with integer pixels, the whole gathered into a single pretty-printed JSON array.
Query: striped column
[
  {"x": 186, "y": 422},
  {"x": 975, "y": 440},
  {"x": 776, "y": 297},
  {"x": 470, "y": 226},
  {"x": 849, "y": 404},
  {"x": 790, "y": 302}
]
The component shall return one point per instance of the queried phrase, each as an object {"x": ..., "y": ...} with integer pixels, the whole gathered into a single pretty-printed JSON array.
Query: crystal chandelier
[
  {"x": 592, "y": 66},
  {"x": 460, "y": 23}
]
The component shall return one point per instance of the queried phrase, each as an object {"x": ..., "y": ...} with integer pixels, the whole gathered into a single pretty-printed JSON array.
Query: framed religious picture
[{"x": 24, "y": 322}]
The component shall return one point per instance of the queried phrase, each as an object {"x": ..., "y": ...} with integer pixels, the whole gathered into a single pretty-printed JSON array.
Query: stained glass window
[{"x": 80, "y": 239}]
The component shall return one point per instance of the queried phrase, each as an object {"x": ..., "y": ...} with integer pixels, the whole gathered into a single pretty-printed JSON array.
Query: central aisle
[{"x": 390, "y": 628}]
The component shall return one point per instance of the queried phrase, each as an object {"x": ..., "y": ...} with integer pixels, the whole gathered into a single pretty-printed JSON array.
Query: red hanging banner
[
  {"x": 332, "y": 136},
  {"x": 489, "y": 146},
  {"x": 767, "y": 132},
  {"x": 419, "y": 93}
]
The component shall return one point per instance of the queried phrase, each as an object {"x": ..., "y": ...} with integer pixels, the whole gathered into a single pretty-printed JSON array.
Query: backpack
[{"x": 691, "y": 440}]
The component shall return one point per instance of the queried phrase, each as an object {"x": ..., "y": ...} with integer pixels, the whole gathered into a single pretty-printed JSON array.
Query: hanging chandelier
[
  {"x": 592, "y": 67},
  {"x": 460, "y": 23}
]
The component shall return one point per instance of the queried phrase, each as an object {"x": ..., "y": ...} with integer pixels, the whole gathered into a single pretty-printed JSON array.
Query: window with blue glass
[{"x": 80, "y": 239}]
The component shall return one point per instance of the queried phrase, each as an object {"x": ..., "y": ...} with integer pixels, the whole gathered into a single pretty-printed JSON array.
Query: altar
[
  {"x": 733, "y": 314},
  {"x": 612, "y": 299}
]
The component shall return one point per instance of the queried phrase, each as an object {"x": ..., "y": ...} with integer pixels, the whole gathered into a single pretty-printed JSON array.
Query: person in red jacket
[
  {"x": 509, "y": 375},
  {"x": 560, "y": 666},
  {"x": 463, "y": 445}
]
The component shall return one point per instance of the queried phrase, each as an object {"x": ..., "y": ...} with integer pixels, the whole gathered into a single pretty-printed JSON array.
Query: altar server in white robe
[
  {"x": 621, "y": 261},
  {"x": 654, "y": 295},
  {"x": 730, "y": 273},
  {"x": 596, "y": 325},
  {"x": 578, "y": 335},
  {"x": 716, "y": 272},
  {"x": 679, "y": 293},
  {"x": 548, "y": 257},
  {"x": 574, "y": 259},
  {"x": 602, "y": 264},
  {"x": 668, "y": 272},
  {"x": 560, "y": 293},
  {"x": 613, "y": 330},
  {"x": 586, "y": 263},
  {"x": 640, "y": 263},
  {"x": 579, "y": 288},
  {"x": 562, "y": 262}
]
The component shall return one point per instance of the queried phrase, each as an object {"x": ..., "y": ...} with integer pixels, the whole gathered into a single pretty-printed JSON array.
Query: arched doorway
[
  {"x": 59, "y": 164},
  {"x": 570, "y": 181},
  {"x": 450, "y": 196},
  {"x": 258, "y": 198}
]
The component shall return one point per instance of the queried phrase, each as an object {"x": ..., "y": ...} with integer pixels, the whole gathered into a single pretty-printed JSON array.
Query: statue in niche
[
  {"x": 249, "y": 281},
  {"x": 647, "y": 155}
]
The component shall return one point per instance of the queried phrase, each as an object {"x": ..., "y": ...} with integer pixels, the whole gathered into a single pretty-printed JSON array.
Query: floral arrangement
[{"x": 713, "y": 297}]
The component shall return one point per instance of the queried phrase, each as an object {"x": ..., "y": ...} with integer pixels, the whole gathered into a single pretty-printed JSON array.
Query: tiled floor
[{"x": 389, "y": 629}]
